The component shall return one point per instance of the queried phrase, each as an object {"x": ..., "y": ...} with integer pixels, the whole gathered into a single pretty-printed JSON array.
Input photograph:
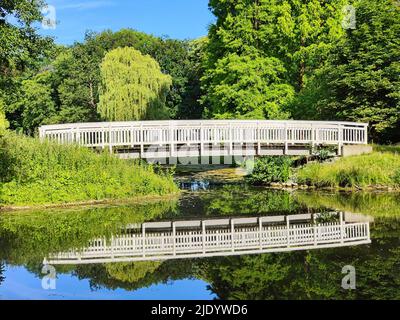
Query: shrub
[
  {"x": 34, "y": 172},
  {"x": 270, "y": 169}
]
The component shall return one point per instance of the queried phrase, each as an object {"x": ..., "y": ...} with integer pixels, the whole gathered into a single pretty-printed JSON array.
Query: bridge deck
[
  {"x": 220, "y": 237},
  {"x": 164, "y": 139}
]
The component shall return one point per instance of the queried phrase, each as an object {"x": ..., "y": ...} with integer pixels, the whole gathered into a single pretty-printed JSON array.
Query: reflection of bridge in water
[{"x": 219, "y": 237}]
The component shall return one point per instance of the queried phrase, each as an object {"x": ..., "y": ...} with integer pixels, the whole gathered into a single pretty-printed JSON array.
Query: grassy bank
[
  {"x": 39, "y": 173},
  {"x": 379, "y": 169}
]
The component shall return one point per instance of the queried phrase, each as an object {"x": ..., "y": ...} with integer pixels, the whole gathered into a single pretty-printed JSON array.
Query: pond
[{"x": 27, "y": 239}]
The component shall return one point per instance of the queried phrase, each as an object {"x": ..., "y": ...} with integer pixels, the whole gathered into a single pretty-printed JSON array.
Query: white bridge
[
  {"x": 218, "y": 237},
  {"x": 198, "y": 138}
]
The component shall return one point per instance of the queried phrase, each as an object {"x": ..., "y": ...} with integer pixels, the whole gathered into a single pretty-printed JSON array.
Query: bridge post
[
  {"x": 78, "y": 137},
  {"x": 286, "y": 139},
  {"x": 132, "y": 137},
  {"x": 230, "y": 140},
  {"x": 340, "y": 137},
  {"x": 141, "y": 140},
  {"x": 171, "y": 141},
  {"x": 341, "y": 227},
  {"x": 103, "y": 138},
  {"x": 288, "y": 231},
  {"x": 315, "y": 230},
  {"x": 232, "y": 235},
  {"x": 144, "y": 240},
  {"x": 260, "y": 225},
  {"x": 110, "y": 138},
  {"x": 313, "y": 137},
  {"x": 203, "y": 235},
  {"x": 174, "y": 237},
  {"x": 201, "y": 132},
  {"x": 258, "y": 138}
]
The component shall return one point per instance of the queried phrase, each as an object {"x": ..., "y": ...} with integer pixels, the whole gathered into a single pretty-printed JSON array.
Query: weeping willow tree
[{"x": 132, "y": 87}]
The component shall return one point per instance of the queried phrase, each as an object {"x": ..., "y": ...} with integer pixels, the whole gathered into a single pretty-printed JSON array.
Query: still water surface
[{"x": 27, "y": 238}]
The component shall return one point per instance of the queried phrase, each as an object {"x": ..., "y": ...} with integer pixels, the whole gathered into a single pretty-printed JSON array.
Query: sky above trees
[{"x": 179, "y": 19}]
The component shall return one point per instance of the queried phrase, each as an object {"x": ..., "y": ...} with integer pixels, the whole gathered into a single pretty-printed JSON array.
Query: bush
[
  {"x": 34, "y": 172},
  {"x": 270, "y": 169}
]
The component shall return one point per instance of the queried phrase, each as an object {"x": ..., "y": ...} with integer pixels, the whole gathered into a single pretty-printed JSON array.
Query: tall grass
[
  {"x": 34, "y": 172},
  {"x": 372, "y": 170}
]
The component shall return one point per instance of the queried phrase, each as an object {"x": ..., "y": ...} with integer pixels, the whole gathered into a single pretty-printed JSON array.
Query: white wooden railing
[
  {"x": 222, "y": 237},
  {"x": 171, "y": 134}
]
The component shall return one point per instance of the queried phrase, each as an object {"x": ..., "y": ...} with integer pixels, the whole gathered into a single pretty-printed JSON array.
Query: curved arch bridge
[{"x": 205, "y": 138}]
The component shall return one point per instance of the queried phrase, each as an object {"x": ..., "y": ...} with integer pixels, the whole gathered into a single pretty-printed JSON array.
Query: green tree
[
  {"x": 16, "y": 31},
  {"x": 361, "y": 83},
  {"x": 22, "y": 52},
  {"x": 247, "y": 86},
  {"x": 77, "y": 73},
  {"x": 35, "y": 102},
  {"x": 274, "y": 44},
  {"x": 190, "y": 107},
  {"x": 133, "y": 86}
]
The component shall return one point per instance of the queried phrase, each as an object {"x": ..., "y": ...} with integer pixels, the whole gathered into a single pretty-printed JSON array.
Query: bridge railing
[
  {"x": 170, "y": 133},
  {"x": 205, "y": 239}
]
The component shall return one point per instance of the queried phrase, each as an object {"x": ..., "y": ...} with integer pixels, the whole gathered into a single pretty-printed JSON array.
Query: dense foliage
[
  {"x": 68, "y": 80},
  {"x": 270, "y": 169},
  {"x": 361, "y": 81},
  {"x": 261, "y": 52},
  {"x": 262, "y": 59},
  {"x": 62, "y": 174}
]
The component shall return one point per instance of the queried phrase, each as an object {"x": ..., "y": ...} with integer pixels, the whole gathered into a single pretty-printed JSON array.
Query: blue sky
[
  {"x": 21, "y": 284},
  {"x": 181, "y": 19}
]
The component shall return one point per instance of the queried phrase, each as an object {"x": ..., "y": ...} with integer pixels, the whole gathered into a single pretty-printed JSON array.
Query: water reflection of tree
[
  {"x": 296, "y": 275},
  {"x": 135, "y": 275},
  {"x": 28, "y": 237},
  {"x": 251, "y": 201},
  {"x": 375, "y": 204}
]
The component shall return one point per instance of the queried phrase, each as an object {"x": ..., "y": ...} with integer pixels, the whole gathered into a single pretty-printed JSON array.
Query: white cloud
[{"x": 85, "y": 5}]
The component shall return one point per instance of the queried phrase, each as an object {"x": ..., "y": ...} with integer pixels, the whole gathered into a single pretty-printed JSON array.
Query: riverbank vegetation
[
  {"x": 378, "y": 170},
  {"x": 361, "y": 172},
  {"x": 36, "y": 173}
]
